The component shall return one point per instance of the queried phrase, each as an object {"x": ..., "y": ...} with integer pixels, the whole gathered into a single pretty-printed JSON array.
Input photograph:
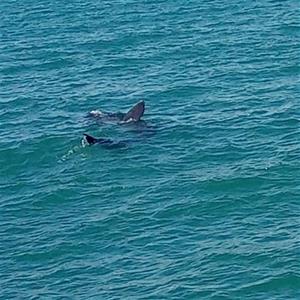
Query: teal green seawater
[{"x": 207, "y": 207}]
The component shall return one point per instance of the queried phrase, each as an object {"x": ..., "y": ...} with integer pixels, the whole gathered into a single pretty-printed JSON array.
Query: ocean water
[{"x": 204, "y": 207}]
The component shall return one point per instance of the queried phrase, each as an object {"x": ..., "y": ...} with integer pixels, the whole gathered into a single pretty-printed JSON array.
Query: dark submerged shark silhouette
[
  {"x": 133, "y": 115},
  {"x": 105, "y": 143}
]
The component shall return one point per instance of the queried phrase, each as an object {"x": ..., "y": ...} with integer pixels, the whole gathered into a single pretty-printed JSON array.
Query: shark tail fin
[
  {"x": 90, "y": 140},
  {"x": 136, "y": 112}
]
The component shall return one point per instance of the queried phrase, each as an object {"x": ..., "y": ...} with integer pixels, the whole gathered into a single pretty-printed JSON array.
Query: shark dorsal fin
[
  {"x": 90, "y": 140},
  {"x": 136, "y": 112}
]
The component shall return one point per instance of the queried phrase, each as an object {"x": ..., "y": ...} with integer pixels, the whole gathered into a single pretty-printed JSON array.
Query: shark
[
  {"x": 134, "y": 114},
  {"x": 132, "y": 117},
  {"x": 105, "y": 143}
]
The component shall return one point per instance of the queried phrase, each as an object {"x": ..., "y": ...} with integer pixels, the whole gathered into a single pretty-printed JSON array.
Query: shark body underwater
[
  {"x": 133, "y": 116},
  {"x": 105, "y": 143}
]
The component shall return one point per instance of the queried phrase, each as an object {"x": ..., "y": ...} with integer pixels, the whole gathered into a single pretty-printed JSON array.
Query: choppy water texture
[{"x": 207, "y": 207}]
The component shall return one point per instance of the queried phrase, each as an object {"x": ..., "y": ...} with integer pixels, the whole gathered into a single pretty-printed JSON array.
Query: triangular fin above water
[
  {"x": 136, "y": 112},
  {"x": 90, "y": 140}
]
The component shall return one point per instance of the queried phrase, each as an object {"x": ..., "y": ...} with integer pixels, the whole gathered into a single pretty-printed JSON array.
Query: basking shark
[
  {"x": 105, "y": 143},
  {"x": 133, "y": 115}
]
